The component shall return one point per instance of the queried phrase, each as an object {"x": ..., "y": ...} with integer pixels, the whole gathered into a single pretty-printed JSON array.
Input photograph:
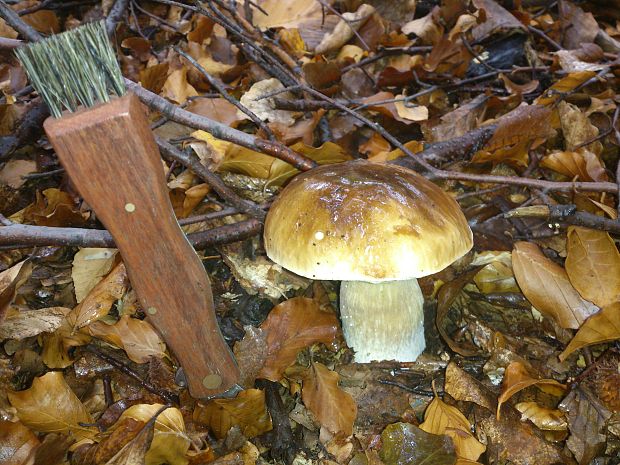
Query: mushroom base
[{"x": 383, "y": 321}]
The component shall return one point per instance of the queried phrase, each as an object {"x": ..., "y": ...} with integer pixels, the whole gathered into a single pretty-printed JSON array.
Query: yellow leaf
[
  {"x": 10, "y": 280},
  {"x": 593, "y": 265},
  {"x": 177, "y": 88},
  {"x": 601, "y": 327},
  {"x": 50, "y": 406},
  {"x": 57, "y": 345},
  {"x": 136, "y": 337},
  {"x": 411, "y": 111},
  {"x": 546, "y": 285},
  {"x": 332, "y": 407},
  {"x": 544, "y": 418},
  {"x": 246, "y": 411},
  {"x": 89, "y": 266}
]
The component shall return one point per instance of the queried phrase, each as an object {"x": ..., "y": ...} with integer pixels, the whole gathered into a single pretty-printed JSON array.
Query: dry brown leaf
[
  {"x": 10, "y": 281},
  {"x": 246, "y": 411},
  {"x": 497, "y": 19},
  {"x": 345, "y": 29},
  {"x": 100, "y": 299},
  {"x": 176, "y": 87},
  {"x": 154, "y": 77},
  {"x": 544, "y": 418},
  {"x": 13, "y": 171},
  {"x": 461, "y": 386},
  {"x": 546, "y": 285},
  {"x": 332, "y": 407},
  {"x": 410, "y": 111},
  {"x": 54, "y": 208},
  {"x": 137, "y": 337},
  {"x": 582, "y": 165},
  {"x": 517, "y": 378},
  {"x": 566, "y": 84},
  {"x": 20, "y": 324},
  {"x": 426, "y": 28},
  {"x": 90, "y": 265},
  {"x": 51, "y": 406},
  {"x": 578, "y": 129},
  {"x": 290, "y": 327},
  {"x": 290, "y": 14},
  {"x": 441, "y": 418},
  {"x": 593, "y": 265},
  {"x": 265, "y": 108},
  {"x": 17, "y": 444},
  {"x": 604, "y": 326},
  {"x": 216, "y": 109},
  {"x": 390, "y": 109},
  {"x": 57, "y": 345}
]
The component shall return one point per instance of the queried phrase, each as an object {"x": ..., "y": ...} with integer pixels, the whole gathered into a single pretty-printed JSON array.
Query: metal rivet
[
  {"x": 151, "y": 310},
  {"x": 130, "y": 207},
  {"x": 212, "y": 381}
]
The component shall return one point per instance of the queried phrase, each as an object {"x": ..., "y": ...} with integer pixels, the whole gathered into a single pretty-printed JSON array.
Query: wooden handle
[{"x": 111, "y": 156}]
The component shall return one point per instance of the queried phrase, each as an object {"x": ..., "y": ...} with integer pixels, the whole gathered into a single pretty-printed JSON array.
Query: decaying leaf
[
  {"x": 544, "y": 418},
  {"x": 28, "y": 323},
  {"x": 100, "y": 299},
  {"x": 90, "y": 265},
  {"x": 137, "y": 337},
  {"x": 273, "y": 13},
  {"x": 258, "y": 101},
  {"x": 461, "y": 386},
  {"x": 593, "y": 265},
  {"x": 176, "y": 87},
  {"x": 581, "y": 165},
  {"x": 441, "y": 418},
  {"x": 332, "y": 407},
  {"x": 344, "y": 30},
  {"x": 17, "y": 443},
  {"x": 603, "y": 326},
  {"x": 13, "y": 171},
  {"x": 51, "y": 406},
  {"x": 546, "y": 285},
  {"x": 406, "y": 444},
  {"x": 54, "y": 207},
  {"x": 10, "y": 281},
  {"x": 291, "y": 326},
  {"x": 517, "y": 378},
  {"x": 247, "y": 411}
]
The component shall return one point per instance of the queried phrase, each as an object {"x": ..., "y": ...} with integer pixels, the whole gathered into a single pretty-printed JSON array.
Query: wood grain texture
[{"x": 110, "y": 154}]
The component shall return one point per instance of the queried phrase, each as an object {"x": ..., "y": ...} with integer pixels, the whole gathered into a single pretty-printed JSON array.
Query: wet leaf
[
  {"x": 566, "y": 84},
  {"x": 582, "y": 165},
  {"x": 57, "y": 345},
  {"x": 332, "y": 407},
  {"x": 544, "y": 418},
  {"x": 51, "y": 406},
  {"x": 17, "y": 443},
  {"x": 100, "y": 299},
  {"x": 247, "y": 411},
  {"x": 441, "y": 418},
  {"x": 517, "y": 378},
  {"x": 137, "y": 337},
  {"x": 28, "y": 323},
  {"x": 593, "y": 265},
  {"x": 90, "y": 265},
  {"x": 406, "y": 444},
  {"x": 10, "y": 281},
  {"x": 546, "y": 285},
  {"x": 461, "y": 386},
  {"x": 603, "y": 326}
]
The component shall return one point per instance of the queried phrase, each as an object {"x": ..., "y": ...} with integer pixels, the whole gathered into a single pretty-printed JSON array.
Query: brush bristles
[{"x": 74, "y": 68}]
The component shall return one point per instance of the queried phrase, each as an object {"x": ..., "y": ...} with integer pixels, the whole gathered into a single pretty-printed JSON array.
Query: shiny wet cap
[{"x": 363, "y": 221}]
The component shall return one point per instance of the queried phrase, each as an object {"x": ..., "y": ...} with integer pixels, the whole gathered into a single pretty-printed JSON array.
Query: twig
[
  {"x": 22, "y": 235},
  {"x": 283, "y": 447},
  {"x": 566, "y": 214},
  {"x": 13, "y": 20},
  {"x": 115, "y": 15},
  {"x": 34, "y": 9},
  {"x": 9, "y": 44},
  {"x": 226, "y": 193}
]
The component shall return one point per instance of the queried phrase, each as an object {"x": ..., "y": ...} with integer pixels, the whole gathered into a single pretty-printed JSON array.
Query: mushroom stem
[{"x": 383, "y": 321}]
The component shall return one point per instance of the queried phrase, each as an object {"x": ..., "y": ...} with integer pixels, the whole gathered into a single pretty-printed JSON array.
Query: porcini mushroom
[{"x": 376, "y": 228}]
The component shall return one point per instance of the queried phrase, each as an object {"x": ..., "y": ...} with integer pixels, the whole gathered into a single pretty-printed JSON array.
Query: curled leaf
[{"x": 544, "y": 418}]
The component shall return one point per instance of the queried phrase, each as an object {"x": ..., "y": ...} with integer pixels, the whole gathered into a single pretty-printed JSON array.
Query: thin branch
[
  {"x": 13, "y": 20},
  {"x": 115, "y": 15},
  {"x": 567, "y": 214}
]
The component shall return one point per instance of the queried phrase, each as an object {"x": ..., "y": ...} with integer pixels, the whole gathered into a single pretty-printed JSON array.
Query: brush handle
[{"x": 111, "y": 156}]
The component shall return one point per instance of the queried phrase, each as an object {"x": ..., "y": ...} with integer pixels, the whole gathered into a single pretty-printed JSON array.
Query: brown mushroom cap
[{"x": 363, "y": 221}]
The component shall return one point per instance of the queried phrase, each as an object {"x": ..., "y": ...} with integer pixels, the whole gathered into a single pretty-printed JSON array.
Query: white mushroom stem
[{"x": 383, "y": 321}]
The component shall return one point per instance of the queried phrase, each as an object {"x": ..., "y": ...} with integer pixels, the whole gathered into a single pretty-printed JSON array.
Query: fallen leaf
[
  {"x": 89, "y": 266},
  {"x": 578, "y": 129},
  {"x": 498, "y": 19},
  {"x": 441, "y": 418},
  {"x": 345, "y": 29},
  {"x": 100, "y": 299},
  {"x": 10, "y": 281},
  {"x": 581, "y": 165},
  {"x": 426, "y": 28},
  {"x": 176, "y": 87},
  {"x": 546, "y": 285},
  {"x": 517, "y": 378},
  {"x": 579, "y": 27},
  {"x": 13, "y": 171},
  {"x": 332, "y": 407},
  {"x": 410, "y": 111},
  {"x": 29, "y": 323},
  {"x": 587, "y": 419},
  {"x": 217, "y": 109},
  {"x": 274, "y": 13},
  {"x": 57, "y": 346},
  {"x": 265, "y": 108},
  {"x": 593, "y": 265},
  {"x": 603, "y": 326},
  {"x": 17, "y": 443},
  {"x": 54, "y": 207},
  {"x": 406, "y": 444},
  {"x": 461, "y": 386},
  {"x": 51, "y": 406},
  {"x": 544, "y": 418},
  {"x": 112, "y": 444},
  {"x": 247, "y": 411},
  {"x": 290, "y": 327},
  {"x": 564, "y": 85},
  {"x": 137, "y": 337},
  {"x": 154, "y": 77}
]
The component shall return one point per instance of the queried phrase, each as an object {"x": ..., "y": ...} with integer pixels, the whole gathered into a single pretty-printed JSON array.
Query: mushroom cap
[{"x": 364, "y": 221}]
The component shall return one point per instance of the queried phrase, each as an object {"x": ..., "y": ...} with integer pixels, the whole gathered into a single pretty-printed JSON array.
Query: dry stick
[
  {"x": 13, "y": 20},
  {"x": 566, "y": 214},
  {"x": 193, "y": 162},
  {"x": 614, "y": 125},
  {"x": 115, "y": 15},
  {"x": 9, "y": 44},
  {"x": 24, "y": 235},
  {"x": 229, "y": 98}
]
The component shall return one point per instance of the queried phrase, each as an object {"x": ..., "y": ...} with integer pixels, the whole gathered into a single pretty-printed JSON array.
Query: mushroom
[{"x": 376, "y": 228}]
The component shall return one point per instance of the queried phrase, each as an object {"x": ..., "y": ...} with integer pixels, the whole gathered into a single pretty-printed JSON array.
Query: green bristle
[{"x": 77, "y": 67}]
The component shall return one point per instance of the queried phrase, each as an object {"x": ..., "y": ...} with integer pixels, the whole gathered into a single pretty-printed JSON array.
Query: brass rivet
[
  {"x": 130, "y": 207},
  {"x": 151, "y": 310},
  {"x": 212, "y": 381}
]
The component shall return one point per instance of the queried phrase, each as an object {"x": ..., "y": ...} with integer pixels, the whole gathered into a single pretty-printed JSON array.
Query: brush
[{"x": 102, "y": 138}]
